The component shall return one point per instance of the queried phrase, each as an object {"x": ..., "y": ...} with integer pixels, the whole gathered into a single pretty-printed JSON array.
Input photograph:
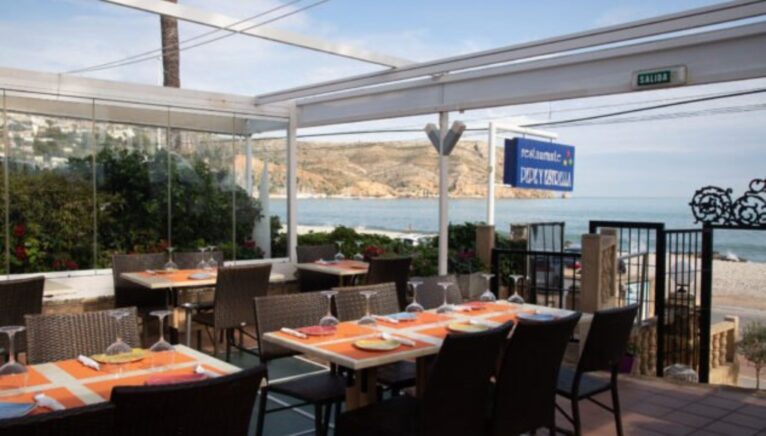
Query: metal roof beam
[
  {"x": 690, "y": 19},
  {"x": 223, "y": 22},
  {"x": 714, "y": 56}
]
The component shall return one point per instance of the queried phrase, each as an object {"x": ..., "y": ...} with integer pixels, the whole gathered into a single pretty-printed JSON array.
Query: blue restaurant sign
[{"x": 536, "y": 164}]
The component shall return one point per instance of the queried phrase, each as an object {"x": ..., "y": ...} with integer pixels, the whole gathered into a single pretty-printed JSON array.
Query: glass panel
[
  {"x": 131, "y": 186},
  {"x": 50, "y": 194},
  {"x": 269, "y": 166},
  {"x": 3, "y": 137}
]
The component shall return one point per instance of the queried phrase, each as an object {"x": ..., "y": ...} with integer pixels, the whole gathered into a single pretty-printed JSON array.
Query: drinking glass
[
  {"x": 444, "y": 308},
  {"x": 515, "y": 298},
  {"x": 202, "y": 262},
  {"x": 367, "y": 319},
  {"x": 118, "y": 346},
  {"x": 170, "y": 265},
  {"x": 13, "y": 369},
  {"x": 161, "y": 346},
  {"x": 414, "y": 307},
  {"x": 339, "y": 255},
  {"x": 359, "y": 256},
  {"x": 488, "y": 295},
  {"x": 212, "y": 264},
  {"x": 329, "y": 320}
]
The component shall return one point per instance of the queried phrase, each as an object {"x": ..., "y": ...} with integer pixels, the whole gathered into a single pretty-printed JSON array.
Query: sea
[{"x": 422, "y": 216}]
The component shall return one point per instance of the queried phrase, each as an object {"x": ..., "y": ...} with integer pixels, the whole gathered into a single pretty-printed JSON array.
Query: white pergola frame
[{"x": 598, "y": 62}]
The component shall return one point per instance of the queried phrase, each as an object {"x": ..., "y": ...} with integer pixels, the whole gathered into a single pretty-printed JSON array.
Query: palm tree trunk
[{"x": 171, "y": 74}]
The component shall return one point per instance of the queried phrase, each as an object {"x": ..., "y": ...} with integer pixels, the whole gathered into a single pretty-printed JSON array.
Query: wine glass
[
  {"x": 161, "y": 346},
  {"x": 414, "y": 307},
  {"x": 329, "y": 320},
  {"x": 444, "y": 308},
  {"x": 367, "y": 319},
  {"x": 170, "y": 265},
  {"x": 202, "y": 264},
  {"x": 212, "y": 264},
  {"x": 339, "y": 255},
  {"x": 488, "y": 295},
  {"x": 359, "y": 256},
  {"x": 118, "y": 346},
  {"x": 12, "y": 368},
  {"x": 515, "y": 298}
]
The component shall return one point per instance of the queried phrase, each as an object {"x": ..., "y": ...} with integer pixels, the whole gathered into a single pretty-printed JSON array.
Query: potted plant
[
  {"x": 629, "y": 359},
  {"x": 753, "y": 347}
]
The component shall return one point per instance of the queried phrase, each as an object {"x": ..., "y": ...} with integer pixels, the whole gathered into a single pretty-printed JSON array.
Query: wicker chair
[
  {"x": 351, "y": 305},
  {"x": 218, "y": 406},
  {"x": 130, "y": 294},
  {"x": 309, "y": 281},
  {"x": 94, "y": 420},
  {"x": 190, "y": 259},
  {"x": 65, "y": 336},
  {"x": 430, "y": 294},
  {"x": 455, "y": 397},
  {"x": 235, "y": 288},
  {"x": 391, "y": 269},
  {"x": 525, "y": 388},
  {"x": 604, "y": 347},
  {"x": 19, "y": 298},
  {"x": 322, "y": 390}
]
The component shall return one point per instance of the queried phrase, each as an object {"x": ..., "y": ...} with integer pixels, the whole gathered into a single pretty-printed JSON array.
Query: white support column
[
  {"x": 443, "y": 194},
  {"x": 491, "y": 163},
  {"x": 292, "y": 186},
  {"x": 249, "y": 167}
]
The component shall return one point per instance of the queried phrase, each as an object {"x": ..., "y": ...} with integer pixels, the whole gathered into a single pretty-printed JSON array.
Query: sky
[{"x": 666, "y": 157}]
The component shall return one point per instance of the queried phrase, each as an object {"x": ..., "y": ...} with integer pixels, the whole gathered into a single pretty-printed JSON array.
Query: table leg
[
  {"x": 421, "y": 375},
  {"x": 364, "y": 390}
]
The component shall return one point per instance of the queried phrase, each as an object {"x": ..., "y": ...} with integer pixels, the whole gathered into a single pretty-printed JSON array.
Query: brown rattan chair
[
  {"x": 525, "y": 390},
  {"x": 604, "y": 348},
  {"x": 235, "y": 288},
  {"x": 190, "y": 259},
  {"x": 67, "y": 335},
  {"x": 322, "y": 390},
  {"x": 309, "y": 281},
  {"x": 217, "y": 406},
  {"x": 94, "y": 420},
  {"x": 430, "y": 294},
  {"x": 18, "y": 298},
  {"x": 391, "y": 269},
  {"x": 130, "y": 294},
  {"x": 455, "y": 397}
]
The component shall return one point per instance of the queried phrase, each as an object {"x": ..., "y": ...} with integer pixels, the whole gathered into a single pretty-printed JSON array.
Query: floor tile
[{"x": 754, "y": 422}]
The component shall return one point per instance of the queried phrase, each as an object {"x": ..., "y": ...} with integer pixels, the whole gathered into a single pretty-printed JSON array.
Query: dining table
[
  {"x": 73, "y": 384},
  {"x": 420, "y": 339},
  {"x": 345, "y": 270},
  {"x": 181, "y": 280}
]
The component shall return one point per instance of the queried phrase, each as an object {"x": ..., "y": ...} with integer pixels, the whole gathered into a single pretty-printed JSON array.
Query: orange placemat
[
  {"x": 80, "y": 371},
  {"x": 488, "y": 307},
  {"x": 353, "y": 265},
  {"x": 424, "y": 318},
  {"x": 62, "y": 395},
  {"x": 345, "y": 330},
  {"x": 104, "y": 388},
  {"x": 509, "y": 316},
  {"x": 181, "y": 275},
  {"x": 436, "y": 332},
  {"x": 349, "y": 350},
  {"x": 34, "y": 378}
]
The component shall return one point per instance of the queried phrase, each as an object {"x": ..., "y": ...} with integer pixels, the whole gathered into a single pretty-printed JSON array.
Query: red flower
[
  {"x": 373, "y": 251},
  {"x": 21, "y": 253},
  {"x": 70, "y": 264},
  {"x": 250, "y": 244},
  {"x": 56, "y": 264},
  {"x": 19, "y": 231}
]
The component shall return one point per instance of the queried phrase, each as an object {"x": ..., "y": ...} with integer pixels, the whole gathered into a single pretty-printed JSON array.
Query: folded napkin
[
  {"x": 47, "y": 402},
  {"x": 403, "y": 341},
  {"x": 386, "y": 319},
  {"x": 461, "y": 308},
  {"x": 172, "y": 379},
  {"x": 90, "y": 363},
  {"x": 292, "y": 332},
  {"x": 199, "y": 369}
]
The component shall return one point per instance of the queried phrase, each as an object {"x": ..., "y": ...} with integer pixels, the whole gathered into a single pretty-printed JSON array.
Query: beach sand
[{"x": 739, "y": 284}]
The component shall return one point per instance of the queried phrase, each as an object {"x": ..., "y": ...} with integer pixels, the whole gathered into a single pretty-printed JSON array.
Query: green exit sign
[{"x": 659, "y": 77}]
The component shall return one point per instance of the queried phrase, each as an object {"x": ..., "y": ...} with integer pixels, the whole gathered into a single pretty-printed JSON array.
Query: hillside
[{"x": 382, "y": 169}]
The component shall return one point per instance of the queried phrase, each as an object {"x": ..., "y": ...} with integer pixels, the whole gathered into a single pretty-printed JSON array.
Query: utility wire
[{"x": 199, "y": 44}]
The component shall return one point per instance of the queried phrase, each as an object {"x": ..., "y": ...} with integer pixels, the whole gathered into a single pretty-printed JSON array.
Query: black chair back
[
  {"x": 235, "y": 288},
  {"x": 18, "y": 298},
  {"x": 525, "y": 391},
  {"x": 127, "y": 293},
  {"x": 95, "y": 420},
  {"x": 430, "y": 294},
  {"x": 190, "y": 259},
  {"x": 391, "y": 269},
  {"x": 288, "y": 310},
  {"x": 352, "y": 305},
  {"x": 221, "y": 405},
  {"x": 607, "y": 339},
  {"x": 458, "y": 386},
  {"x": 312, "y": 253}
]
